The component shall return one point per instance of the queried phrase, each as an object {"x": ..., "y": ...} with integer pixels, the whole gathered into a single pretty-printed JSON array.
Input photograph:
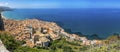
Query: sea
[{"x": 99, "y": 22}]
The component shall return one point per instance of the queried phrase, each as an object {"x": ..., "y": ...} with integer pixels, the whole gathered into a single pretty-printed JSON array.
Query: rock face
[
  {"x": 0, "y": 16},
  {"x": 1, "y": 23},
  {"x": 2, "y": 47}
]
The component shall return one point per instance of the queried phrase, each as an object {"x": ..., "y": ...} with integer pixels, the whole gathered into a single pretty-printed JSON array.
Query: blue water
[{"x": 88, "y": 21}]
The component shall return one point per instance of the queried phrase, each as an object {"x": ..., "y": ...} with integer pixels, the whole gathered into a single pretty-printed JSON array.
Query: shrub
[
  {"x": 59, "y": 46},
  {"x": 67, "y": 49},
  {"x": 9, "y": 41},
  {"x": 53, "y": 47},
  {"x": 83, "y": 48},
  {"x": 38, "y": 47},
  {"x": 26, "y": 49},
  {"x": 52, "y": 50},
  {"x": 75, "y": 48},
  {"x": 113, "y": 38},
  {"x": 73, "y": 43}
]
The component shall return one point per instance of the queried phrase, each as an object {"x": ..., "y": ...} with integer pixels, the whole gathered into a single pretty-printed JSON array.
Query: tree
[
  {"x": 9, "y": 42},
  {"x": 67, "y": 49}
]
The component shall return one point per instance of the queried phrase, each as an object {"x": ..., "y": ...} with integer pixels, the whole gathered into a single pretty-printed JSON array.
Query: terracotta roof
[{"x": 43, "y": 39}]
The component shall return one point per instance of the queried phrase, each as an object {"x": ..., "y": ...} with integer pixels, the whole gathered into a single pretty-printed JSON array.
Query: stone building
[{"x": 41, "y": 41}]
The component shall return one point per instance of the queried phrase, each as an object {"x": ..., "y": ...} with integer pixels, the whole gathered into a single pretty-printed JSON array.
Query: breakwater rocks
[{"x": 36, "y": 32}]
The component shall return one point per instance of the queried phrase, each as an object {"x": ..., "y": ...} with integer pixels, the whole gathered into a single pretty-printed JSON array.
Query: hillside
[{"x": 41, "y": 36}]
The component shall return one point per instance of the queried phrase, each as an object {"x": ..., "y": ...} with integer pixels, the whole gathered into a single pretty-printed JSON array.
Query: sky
[{"x": 61, "y": 3}]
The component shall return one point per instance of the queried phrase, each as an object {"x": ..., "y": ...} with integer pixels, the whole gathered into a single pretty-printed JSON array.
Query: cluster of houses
[
  {"x": 41, "y": 33},
  {"x": 43, "y": 38},
  {"x": 37, "y": 37}
]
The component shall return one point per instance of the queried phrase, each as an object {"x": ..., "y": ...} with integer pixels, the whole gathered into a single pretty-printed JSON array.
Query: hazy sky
[{"x": 61, "y": 3}]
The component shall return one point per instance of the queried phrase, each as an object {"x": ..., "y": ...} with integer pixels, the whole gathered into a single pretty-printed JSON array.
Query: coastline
[
  {"x": 46, "y": 33},
  {"x": 3, "y": 17},
  {"x": 52, "y": 26},
  {"x": 74, "y": 26}
]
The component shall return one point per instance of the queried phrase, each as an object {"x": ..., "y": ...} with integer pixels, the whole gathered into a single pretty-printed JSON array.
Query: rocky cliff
[{"x": 2, "y": 47}]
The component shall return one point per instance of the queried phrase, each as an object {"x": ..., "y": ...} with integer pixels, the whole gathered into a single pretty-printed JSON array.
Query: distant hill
[{"x": 2, "y": 8}]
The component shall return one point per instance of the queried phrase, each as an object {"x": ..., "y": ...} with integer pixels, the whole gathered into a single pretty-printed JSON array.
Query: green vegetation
[
  {"x": 28, "y": 49},
  {"x": 112, "y": 44},
  {"x": 114, "y": 47},
  {"x": 63, "y": 45},
  {"x": 9, "y": 41}
]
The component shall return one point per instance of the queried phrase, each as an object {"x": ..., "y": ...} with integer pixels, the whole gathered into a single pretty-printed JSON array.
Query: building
[
  {"x": 30, "y": 29},
  {"x": 43, "y": 42}
]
